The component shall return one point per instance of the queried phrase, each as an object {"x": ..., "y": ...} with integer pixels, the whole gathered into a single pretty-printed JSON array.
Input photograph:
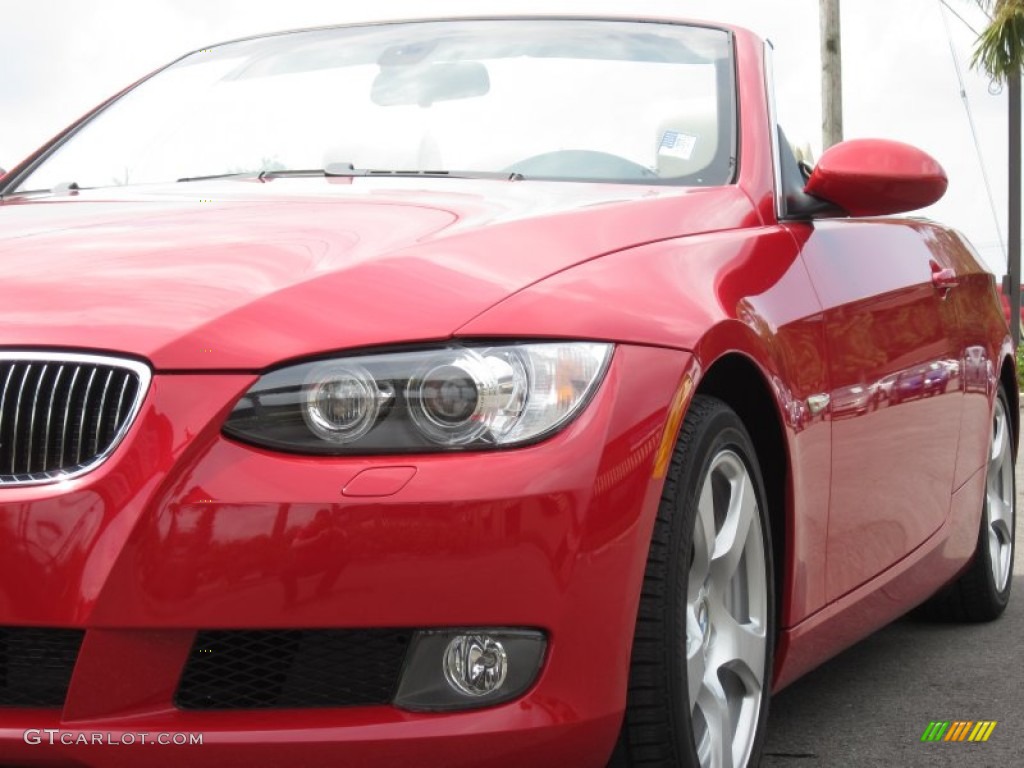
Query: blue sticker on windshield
[{"x": 676, "y": 144}]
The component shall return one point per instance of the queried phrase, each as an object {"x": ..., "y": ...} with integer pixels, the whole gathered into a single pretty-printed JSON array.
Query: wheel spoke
[
  {"x": 732, "y": 538},
  {"x": 1006, "y": 487},
  {"x": 996, "y": 467},
  {"x": 997, "y": 552},
  {"x": 714, "y": 706},
  {"x": 696, "y": 668},
  {"x": 998, "y": 511},
  {"x": 994, "y": 545},
  {"x": 1001, "y": 531},
  {"x": 999, "y": 437},
  {"x": 739, "y": 648},
  {"x": 703, "y": 539}
]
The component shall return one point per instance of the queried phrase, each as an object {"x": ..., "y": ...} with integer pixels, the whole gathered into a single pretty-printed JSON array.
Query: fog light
[
  {"x": 466, "y": 668},
  {"x": 475, "y": 664}
]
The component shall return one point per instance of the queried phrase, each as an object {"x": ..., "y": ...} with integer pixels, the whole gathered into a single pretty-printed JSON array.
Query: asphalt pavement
[{"x": 870, "y": 705}]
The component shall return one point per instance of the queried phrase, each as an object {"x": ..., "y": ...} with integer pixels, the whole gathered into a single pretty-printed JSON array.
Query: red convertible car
[{"x": 491, "y": 391}]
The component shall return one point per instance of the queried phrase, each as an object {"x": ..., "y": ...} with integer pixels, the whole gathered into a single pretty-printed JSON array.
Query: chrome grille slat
[
  {"x": 32, "y": 417},
  {"x": 67, "y": 413},
  {"x": 63, "y": 414},
  {"x": 120, "y": 397},
  {"x": 49, "y": 415},
  {"x": 100, "y": 412},
  {"x": 3, "y": 401},
  {"x": 83, "y": 416},
  {"x": 15, "y": 437}
]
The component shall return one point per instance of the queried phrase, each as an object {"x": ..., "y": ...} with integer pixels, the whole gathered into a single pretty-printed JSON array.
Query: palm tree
[
  {"x": 1000, "y": 48},
  {"x": 1000, "y": 54}
]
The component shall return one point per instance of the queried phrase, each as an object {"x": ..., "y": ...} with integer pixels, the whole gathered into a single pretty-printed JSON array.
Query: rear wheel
[
  {"x": 701, "y": 669},
  {"x": 983, "y": 591}
]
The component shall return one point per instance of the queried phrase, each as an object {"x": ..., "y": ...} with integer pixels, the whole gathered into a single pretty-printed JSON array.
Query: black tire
[
  {"x": 977, "y": 595},
  {"x": 661, "y": 727}
]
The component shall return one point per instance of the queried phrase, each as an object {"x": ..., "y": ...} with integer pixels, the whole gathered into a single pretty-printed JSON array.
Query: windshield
[{"x": 550, "y": 99}]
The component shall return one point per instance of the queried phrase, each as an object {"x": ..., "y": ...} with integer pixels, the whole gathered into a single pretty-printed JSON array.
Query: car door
[{"x": 896, "y": 391}]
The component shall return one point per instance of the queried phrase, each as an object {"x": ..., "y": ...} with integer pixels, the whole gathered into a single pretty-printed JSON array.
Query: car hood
[{"x": 235, "y": 275}]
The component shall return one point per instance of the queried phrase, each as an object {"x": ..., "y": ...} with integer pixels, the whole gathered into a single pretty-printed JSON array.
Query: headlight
[{"x": 455, "y": 398}]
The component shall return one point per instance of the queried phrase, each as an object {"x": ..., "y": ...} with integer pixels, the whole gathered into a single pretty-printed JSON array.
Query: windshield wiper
[
  {"x": 345, "y": 170},
  {"x": 258, "y": 175},
  {"x": 242, "y": 175},
  {"x": 64, "y": 189}
]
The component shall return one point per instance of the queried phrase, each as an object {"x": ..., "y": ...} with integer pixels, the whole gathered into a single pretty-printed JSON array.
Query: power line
[
  {"x": 974, "y": 131},
  {"x": 952, "y": 10}
]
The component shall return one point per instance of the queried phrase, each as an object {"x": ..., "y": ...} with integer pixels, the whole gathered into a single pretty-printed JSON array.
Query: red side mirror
[{"x": 877, "y": 177}]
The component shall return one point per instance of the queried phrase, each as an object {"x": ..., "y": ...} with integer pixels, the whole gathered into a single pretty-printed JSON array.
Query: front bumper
[{"x": 183, "y": 530}]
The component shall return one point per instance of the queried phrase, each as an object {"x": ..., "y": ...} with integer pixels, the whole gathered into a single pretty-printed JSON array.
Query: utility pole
[
  {"x": 831, "y": 75},
  {"x": 1013, "y": 278}
]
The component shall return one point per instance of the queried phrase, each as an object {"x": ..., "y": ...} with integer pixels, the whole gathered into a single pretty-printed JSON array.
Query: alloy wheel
[{"x": 726, "y": 616}]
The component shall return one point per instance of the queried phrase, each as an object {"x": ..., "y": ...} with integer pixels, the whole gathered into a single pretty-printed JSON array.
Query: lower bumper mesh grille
[
  {"x": 254, "y": 669},
  {"x": 36, "y": 665}
]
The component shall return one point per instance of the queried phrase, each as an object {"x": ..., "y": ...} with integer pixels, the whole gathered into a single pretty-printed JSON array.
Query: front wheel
[{"x": 700, "y": 673}]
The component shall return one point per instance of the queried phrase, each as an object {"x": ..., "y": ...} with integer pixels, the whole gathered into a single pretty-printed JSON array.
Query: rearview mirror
[
  {"x": 425, "y": 84},
  {"x": 877, "y": 177}
]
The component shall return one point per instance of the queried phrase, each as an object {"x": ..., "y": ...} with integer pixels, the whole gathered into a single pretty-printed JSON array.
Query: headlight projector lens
[
  {"x": 456, "y": 401},
  {"x": 449, "y": 396},
  {"x": 342, "y": 403}
]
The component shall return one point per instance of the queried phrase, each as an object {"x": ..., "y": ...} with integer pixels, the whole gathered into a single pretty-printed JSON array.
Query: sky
[{"x": 61, "y": 57}]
